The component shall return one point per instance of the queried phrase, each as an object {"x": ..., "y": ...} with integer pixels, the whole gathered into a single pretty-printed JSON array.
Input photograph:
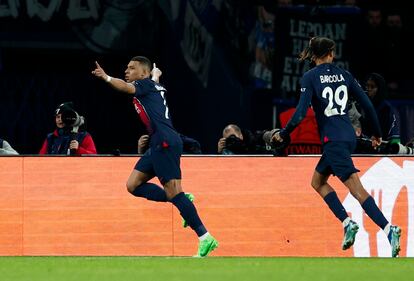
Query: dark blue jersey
[
  {"x": 151, "y": 106},
  {"x": 328, "y": 89}
]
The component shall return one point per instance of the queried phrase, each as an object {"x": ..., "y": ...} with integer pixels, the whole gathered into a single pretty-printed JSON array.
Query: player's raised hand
[
  {"x": 155, "y": 73},
  {"x": 99, "y": 72}
]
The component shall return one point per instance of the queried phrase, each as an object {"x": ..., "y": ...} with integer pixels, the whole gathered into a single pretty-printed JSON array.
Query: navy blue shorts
[
  {"x": 161, "y": 162},
  {"x": 336, "y": 160}
]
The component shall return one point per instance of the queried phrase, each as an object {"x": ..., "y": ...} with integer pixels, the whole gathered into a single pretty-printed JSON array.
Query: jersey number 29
[{"x": 337, "y": 99}]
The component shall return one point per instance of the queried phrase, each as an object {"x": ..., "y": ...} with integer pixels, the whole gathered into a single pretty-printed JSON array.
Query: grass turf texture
[{"x": 212, "y": 268}]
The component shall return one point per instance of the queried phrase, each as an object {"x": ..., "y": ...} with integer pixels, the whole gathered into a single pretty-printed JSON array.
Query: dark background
[{"x": 47, "y": 59}]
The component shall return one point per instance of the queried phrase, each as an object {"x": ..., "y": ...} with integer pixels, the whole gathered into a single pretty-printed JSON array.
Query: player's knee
[
  {"x": 360, "y": 194},
  {"x": 170, "y": 192},
  {"x": 131, "y": 187},
  {"x": 172, "y": 188},
  {"x": 316, "y": 184}
]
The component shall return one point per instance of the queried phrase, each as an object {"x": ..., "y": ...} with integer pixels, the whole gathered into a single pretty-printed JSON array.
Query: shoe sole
[
  {"x": 396, "y": 247},
  {"x": 348, "y": 244}
]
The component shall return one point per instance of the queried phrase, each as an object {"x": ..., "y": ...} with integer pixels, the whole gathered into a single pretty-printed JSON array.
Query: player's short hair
[
  {"x": 144, "y": 61},
  {"x": 318, "y": 47}
]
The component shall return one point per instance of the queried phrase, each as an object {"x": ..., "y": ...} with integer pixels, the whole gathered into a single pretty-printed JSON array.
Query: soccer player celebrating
[
  {"x": 327, "y": 88},
  {"x": 162, "y": 159}
]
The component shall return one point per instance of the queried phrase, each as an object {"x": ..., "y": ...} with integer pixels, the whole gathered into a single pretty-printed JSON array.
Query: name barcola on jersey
[{"x": 331, "y": 78}]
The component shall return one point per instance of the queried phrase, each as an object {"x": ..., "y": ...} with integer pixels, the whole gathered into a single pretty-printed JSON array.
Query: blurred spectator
[
  {"x": 350, "y": 3},
  {"x": 6, "y": 149},
  {"x": 262, "y": 67},
  {"x": 373, "y": 41},
  {"x": 70, "y": 136},
  {"x": 264, "y": 51},
  {"x": 374, "y": 17},
  {"x": 241, "y": 141},
  {"x": 387, "y": 115},
  {"x": 190, "y": 145},
  {"x": 397, "y": 67},
  {"x": 284, "y": 3}
]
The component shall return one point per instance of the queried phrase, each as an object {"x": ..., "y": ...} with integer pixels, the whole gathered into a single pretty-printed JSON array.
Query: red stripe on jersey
[{"x": 143, "y": 115}]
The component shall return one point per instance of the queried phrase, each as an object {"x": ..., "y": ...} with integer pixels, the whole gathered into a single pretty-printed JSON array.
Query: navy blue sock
[
  {"x": 335, "y": 205},
  {"x": 372, "y": 210},
  {"x": 189, "y": 213},
  {"x": 150, "y": 191}
]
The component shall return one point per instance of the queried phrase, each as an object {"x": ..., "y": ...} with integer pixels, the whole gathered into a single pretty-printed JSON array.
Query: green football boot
[{"x": 206, "y": 246}]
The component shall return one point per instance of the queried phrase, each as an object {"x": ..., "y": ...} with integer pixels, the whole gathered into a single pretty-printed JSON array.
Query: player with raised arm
[
  {"x": 162, "y": 159},
  {"x": 327, "y": 88}
]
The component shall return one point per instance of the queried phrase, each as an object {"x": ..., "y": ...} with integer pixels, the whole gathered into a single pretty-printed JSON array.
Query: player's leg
[
  {"x": 344, "y": 169},
  {"x": 174, "y": 192},
  {"x": 187, "y": 209},
  {"x": 326, "y": 166},
  {"x": 138, "y": 184},
  {"x": 320, "y": 184},
  {"x": 190, "y": 197},
  {"x": 189, "y": 212},
  {"x": 371, "y": 209},
  {"x": 167, "y": 168}
]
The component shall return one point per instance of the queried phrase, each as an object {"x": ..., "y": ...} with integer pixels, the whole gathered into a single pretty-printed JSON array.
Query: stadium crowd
[{"x": 385, "y": 29}]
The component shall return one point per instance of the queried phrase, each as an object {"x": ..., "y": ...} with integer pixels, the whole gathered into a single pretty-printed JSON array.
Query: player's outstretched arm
[{"x": 117, "y": 84}]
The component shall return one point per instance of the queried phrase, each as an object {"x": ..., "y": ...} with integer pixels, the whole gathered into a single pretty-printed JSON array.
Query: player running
[
  {"x": 327, "y": 88},
  {"x": 162, "y": 159}
]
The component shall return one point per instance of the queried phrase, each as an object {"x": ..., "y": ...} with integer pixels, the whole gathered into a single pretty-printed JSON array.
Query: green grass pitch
[{"x": 199, "y": 269}]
